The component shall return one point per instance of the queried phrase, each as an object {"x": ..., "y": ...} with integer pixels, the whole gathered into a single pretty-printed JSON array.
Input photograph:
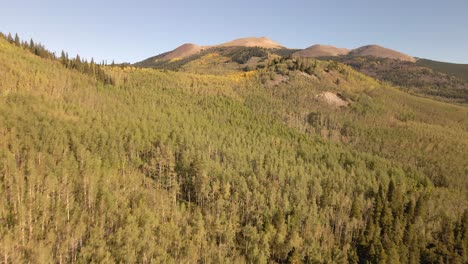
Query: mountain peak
[
  {"x": 263, "y": 42},
  {"x": 321, "y": 50},
  {"x": 381, "y": 52},
  {"x": 183, "y": 51},
  {"x": 189, "y": 49}
]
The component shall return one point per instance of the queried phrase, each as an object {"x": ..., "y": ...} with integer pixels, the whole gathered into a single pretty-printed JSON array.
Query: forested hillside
[
  {"x": 297, "y": 160},
  {"x": 456, "y": 69},
  {"x": 437, "y": 80},
  {"x": 441, "y": 81}
]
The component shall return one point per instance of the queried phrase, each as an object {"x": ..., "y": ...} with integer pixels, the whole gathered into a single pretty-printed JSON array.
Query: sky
[{"x": 130, "y": 31}]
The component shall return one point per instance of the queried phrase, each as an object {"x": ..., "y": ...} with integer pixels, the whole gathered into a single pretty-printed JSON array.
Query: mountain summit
[
  {"x": 262, "y": 42},
  {"x": 321, "y": 51},
  {"x": 318, "y": 50},
  {"x": 368, "y": 50},
  {"x": 188, "y": 49},
  {"x": 380, "y": 52}
]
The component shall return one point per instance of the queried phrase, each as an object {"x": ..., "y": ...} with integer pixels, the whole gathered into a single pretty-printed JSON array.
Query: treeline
[{"x": 89, "y": 68}]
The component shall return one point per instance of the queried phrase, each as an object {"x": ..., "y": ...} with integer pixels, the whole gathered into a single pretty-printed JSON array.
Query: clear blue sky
[{"x": 129, "y": 31}]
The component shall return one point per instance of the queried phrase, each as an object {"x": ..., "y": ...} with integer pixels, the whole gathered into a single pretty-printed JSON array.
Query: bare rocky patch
[{"x": 333, "y": 99}]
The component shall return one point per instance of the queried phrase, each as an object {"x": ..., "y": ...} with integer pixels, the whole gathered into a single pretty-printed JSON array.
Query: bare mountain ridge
[
  {"x": 319, "y": 50},
  {"x": 183, "y": 51},
  {"x": 190, "y": 49},
  {"x": 368, "y": 50},
  {"x": 380, "y": 52},
  {"x": 262, "y": 42}
]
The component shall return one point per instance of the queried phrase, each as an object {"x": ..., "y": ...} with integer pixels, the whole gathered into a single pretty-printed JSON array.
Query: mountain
[
  {"x": 183, "y": 51},
  {"x": 441, "y": 81},
  {"x": 380, "y": 52},
  {"x": 315, "y": 51},
  {"x": 262, "y": 42},
  {"x": 455, "y": 69},
  {"x": 298, "y": 160},
  {"x": 364, "y": 51},
  {"x": 186, "y": 51},
  {"x": 412, "y": 77},
  {"x": 190, "y": 49},
  {"x": 321, "y": 51}
]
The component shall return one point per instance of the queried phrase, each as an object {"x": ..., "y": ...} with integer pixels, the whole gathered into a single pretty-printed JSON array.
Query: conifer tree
[
  {"x": 356, "y": 208},
  {"x": 63, "y": 58},
  {"x": 17, "y": 40},
  {"x": 10, "y": 38}
]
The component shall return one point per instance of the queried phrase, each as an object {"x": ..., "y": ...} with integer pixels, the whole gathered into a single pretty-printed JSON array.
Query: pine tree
[
  {"x": 31, "y": 45},
  {"x": 10, "y": 38},
  {"x": 395, "y": 197},
  {"x": 356, "y": 208},
  {"x": 461, "y": 237},
  {"x": 17, "y": 40},
  {"x": 63, "y": 58},
  {"x": 200, "y": 180}
]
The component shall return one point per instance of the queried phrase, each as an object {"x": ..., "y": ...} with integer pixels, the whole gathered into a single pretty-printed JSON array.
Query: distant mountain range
[
  {"x": 377, "y": 51},
  {"x": 446, "y": 81},
  {"x": 314, "y": 51}
]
